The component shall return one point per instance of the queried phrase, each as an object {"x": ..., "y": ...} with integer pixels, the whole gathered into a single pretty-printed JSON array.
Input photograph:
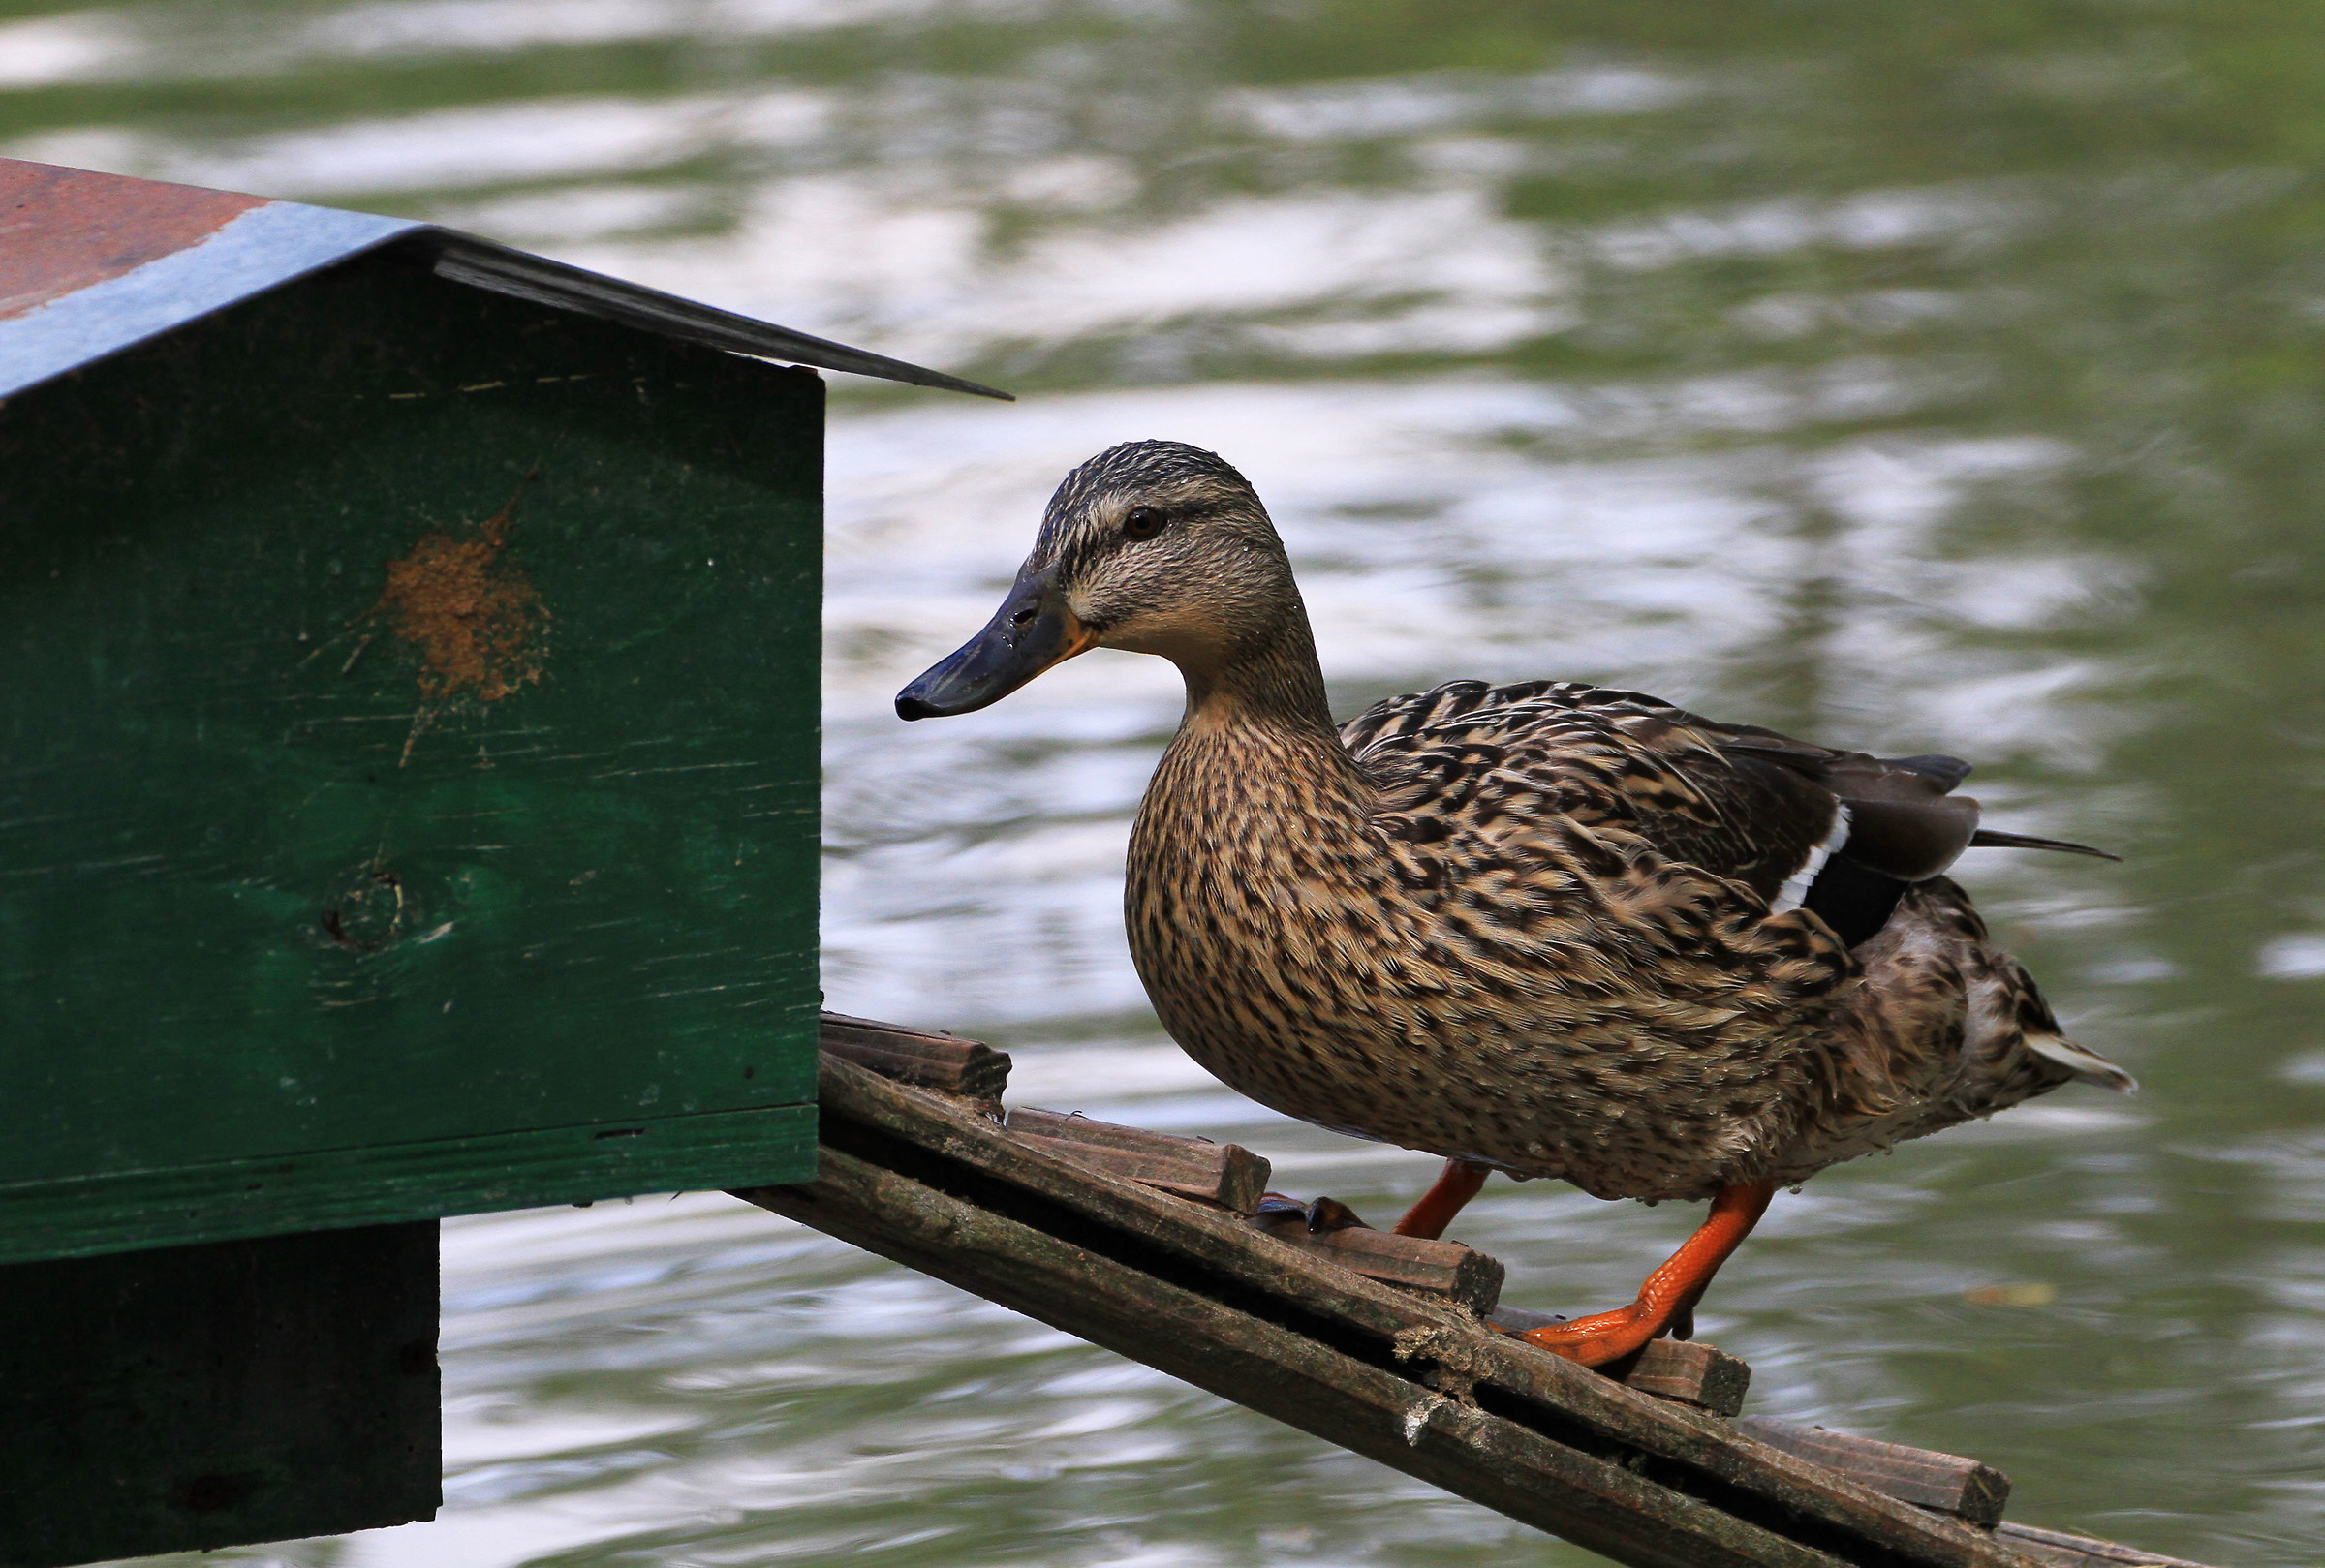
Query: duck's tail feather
[
  {"x": 1945, "y": 772},
  {"x": 2087, "y": 1065},
  {"x": 1987, "y": 838}
]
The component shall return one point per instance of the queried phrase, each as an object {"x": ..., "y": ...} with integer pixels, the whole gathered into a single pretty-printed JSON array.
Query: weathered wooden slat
[
  {"x": 2057, "y": 1548},
  {"x": 1699, "y": 1374},
  {"x": 921, "y": 1057},
  {"x": 1924, "y": 1477},
  {"x": 1705, "y": 1477},
  {"x": 1467, "y": 1278},
  {"x": 1229, "y": 1175}
]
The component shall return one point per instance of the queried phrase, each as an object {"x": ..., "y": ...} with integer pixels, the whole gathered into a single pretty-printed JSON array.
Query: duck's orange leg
[
  {"x": 1456, "y": 1184},
  {"x": 1670, "y": 1293}
]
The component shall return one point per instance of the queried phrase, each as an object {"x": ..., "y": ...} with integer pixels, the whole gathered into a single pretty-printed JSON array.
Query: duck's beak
[{"x": 1032, "y": 629}]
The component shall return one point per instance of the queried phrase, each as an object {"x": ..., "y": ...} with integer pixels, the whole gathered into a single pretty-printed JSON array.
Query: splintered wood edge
[{"x": 1225, "y": 1245}]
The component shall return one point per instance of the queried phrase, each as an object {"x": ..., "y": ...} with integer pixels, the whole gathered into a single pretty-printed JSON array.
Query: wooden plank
[
  {"x": 1695, "y": 1458},
  {"x": 1689, "y": 1371},
  {"x": 352, "y": 1186},
  {"x": 927, "y": 1058},
  {"x": 1228, "y": 1175},
  {"x": 1468, "y": 1280},
  {"x": 1923, "y": 1477},
  {"x": 196, "y": 1397},
  {"x": 2058, "y": 1548}
]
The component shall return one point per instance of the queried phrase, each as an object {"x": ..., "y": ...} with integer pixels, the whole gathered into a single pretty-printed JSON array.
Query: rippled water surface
[{"x": 1912, "y": 377}]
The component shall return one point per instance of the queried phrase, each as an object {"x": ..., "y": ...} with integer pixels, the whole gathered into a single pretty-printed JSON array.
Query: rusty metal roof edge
[
  {"x": 277, "y": 242},
  {"x": 484, "y": 264},
  {"x": 261, "y": 249}
]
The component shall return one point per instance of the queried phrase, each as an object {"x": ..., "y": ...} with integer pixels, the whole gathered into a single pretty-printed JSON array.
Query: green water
[{"x": 1926, "y": 377}]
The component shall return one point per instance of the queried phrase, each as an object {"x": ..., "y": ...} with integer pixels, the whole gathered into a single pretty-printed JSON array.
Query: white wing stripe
[{"x": 1795, "y": 890}]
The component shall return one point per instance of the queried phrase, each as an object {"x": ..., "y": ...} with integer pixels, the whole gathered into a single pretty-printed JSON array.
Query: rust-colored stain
[
  {"x": 62, "y": 229},
  {"x": 472, "y": 617}
]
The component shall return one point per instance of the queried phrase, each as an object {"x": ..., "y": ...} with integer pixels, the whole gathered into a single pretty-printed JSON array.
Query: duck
[{"x": 1546, "y": 928}]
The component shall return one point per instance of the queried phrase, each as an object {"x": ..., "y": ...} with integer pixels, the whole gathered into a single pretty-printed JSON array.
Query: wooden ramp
[{"x": 1167, "y": 1251}]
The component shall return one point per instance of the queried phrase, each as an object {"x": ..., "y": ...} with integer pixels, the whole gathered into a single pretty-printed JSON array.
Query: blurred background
[{"x": 1911, "y": 376}]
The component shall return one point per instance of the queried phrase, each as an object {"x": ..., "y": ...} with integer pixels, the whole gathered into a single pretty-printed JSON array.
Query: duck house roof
[{"x": 91, "y": 263}]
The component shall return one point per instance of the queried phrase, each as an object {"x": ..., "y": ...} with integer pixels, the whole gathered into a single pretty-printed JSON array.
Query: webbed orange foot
[
  {"x": 1667, "y": 1300},
  {"x": 1600, "y": 1337}
]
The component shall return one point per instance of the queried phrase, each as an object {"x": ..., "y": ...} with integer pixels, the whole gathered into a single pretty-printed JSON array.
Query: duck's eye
[{"x": 1143, "y": 522}]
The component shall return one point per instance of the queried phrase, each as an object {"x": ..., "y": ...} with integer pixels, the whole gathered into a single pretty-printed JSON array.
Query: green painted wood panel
[
  {"x": 196, "y": 1397},
  {"x": 408, "y": 734},
  {"x": 276, "y": 1193}
]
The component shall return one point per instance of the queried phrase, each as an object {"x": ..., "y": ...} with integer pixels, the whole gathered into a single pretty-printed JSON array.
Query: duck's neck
[
  {"x": 1266, "y": 710},
  {"x": 1277, "y": 682}
]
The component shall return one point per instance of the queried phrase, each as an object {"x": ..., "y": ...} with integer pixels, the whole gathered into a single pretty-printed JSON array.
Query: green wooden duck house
[{"x": 407, "y": 808}]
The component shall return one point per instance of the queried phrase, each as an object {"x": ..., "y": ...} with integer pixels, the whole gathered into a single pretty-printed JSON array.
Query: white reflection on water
[
  {"x": 449, "y": 149},
  {"x": 1401, "y": 106},
  {"x": 151, "y": 43}
]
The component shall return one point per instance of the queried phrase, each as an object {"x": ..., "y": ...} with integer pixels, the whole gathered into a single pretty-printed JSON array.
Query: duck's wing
[
  {"x": 1842, "y": 833},
  {"x": 1480, "y": 758}
]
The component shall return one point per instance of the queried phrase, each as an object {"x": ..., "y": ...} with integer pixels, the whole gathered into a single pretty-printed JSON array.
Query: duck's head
[{"x": 1153, "y": 546}]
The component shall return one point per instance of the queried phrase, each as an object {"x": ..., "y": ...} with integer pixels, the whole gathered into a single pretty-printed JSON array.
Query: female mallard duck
[{"x": 1546, "y": 928}]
